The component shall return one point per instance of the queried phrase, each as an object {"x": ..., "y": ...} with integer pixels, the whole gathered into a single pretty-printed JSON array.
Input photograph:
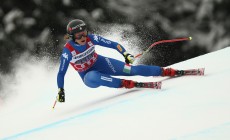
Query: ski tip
[{"x": 190, "y": 38}]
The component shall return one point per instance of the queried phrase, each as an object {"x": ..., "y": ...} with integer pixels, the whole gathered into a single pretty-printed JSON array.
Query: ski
[
  {"x": 199, "y": 71},
  {"x": 155, "y": 85}
]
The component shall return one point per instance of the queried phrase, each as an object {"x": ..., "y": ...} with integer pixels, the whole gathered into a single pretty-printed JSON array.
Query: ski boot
[{"x": 127, "y": 84}]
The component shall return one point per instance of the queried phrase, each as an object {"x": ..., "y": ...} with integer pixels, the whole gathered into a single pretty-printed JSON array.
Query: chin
[{"x": 81, "y": 42}]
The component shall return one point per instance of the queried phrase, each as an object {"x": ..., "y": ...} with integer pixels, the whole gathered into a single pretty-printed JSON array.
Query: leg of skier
[
  {"x": 100, "y": 74},
  {"x": 95, "y": 79}
]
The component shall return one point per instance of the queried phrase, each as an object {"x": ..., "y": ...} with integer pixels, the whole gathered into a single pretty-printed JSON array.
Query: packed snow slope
[{"x": 186, "y": 108}]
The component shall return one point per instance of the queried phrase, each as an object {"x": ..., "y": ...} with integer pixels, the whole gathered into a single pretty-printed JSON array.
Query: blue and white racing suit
[{"x": 97, "y": 70}]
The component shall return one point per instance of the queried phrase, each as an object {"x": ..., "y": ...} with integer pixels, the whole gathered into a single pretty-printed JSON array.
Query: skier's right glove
[
  {"x": 61, "y": 95},
  {"x": 129, "y": 58}
]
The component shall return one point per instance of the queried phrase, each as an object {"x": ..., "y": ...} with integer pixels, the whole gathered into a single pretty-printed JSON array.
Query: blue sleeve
[
  {"x": 64, "y": 64},
  {"x": 98, "y": 40}
]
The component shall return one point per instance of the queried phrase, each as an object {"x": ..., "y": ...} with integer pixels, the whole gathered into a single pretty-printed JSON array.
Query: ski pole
[
  {"x": 54, "y": 103},
  {"x": 160, "y": 42}
]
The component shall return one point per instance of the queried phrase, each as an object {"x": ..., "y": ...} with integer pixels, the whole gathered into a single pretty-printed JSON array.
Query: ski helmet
[{"x": 75, "y": 26}]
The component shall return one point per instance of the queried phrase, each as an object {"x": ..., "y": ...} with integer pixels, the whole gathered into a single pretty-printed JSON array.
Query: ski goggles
[{"x": 78, "y": 36}]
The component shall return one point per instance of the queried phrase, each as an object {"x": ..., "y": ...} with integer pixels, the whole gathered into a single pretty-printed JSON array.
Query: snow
[{"x": 186, "y": 108}]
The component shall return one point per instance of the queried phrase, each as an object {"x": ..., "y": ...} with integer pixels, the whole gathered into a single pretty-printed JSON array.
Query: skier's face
[{"x": 80, "y": 38}]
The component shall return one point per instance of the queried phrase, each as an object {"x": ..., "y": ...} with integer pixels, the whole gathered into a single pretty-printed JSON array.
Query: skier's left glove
[
  {"x": 61, "y": 95},
  {"x": 129, "y": 58}
]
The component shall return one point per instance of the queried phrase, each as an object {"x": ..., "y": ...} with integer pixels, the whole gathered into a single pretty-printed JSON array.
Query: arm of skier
[
  {"x": 64, "y": 64},
  {"x": 98, "y": 40}
]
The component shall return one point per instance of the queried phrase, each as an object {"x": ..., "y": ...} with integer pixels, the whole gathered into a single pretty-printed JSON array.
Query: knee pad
[{"x": 91, "y": 79}]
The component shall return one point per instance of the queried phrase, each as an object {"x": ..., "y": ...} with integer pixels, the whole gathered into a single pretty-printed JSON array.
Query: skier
[{"x": 96, "y": 70}]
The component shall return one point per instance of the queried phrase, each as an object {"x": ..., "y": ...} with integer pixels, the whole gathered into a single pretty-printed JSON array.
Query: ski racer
[{"x": 94, "y": 69}]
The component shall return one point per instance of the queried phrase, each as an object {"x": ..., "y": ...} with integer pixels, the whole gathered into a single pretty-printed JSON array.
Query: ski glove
[
  {"x": 61, "y": 95},
  {"x": 129, "y": 58}
]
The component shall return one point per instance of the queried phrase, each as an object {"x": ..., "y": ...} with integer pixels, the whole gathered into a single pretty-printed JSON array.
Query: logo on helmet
[{"x": 78, "y": 26}]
